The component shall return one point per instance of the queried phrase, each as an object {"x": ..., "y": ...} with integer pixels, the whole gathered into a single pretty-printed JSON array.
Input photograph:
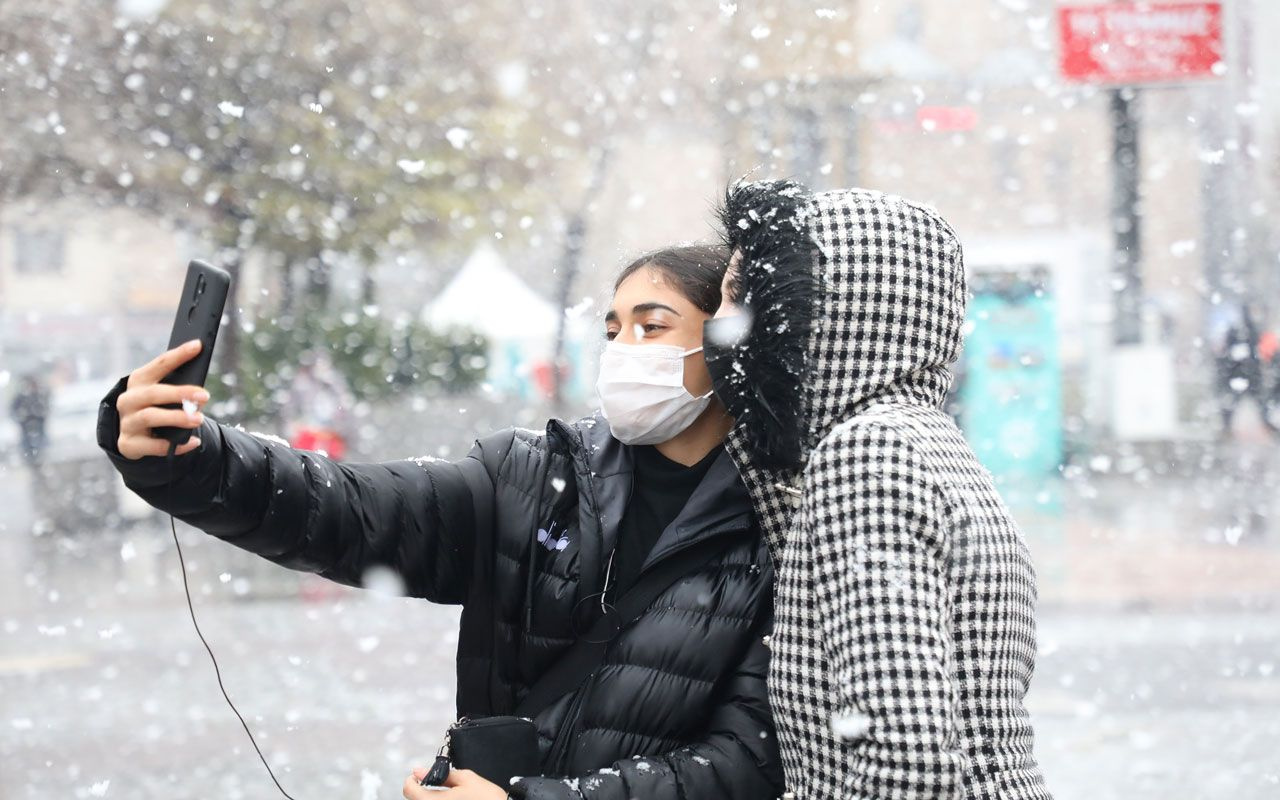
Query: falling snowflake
[
  {"x": 458, "y": 137},
  {"x": 851, "y": 725}
]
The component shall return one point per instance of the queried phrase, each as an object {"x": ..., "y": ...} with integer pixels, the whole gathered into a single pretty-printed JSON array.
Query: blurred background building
[{"x": 958, "y": 105}]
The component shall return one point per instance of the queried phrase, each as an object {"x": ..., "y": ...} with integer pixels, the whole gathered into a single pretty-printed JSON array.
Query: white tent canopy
[
  {"x": 520, "y": 325},
  {"x": 487, "y": 297}
]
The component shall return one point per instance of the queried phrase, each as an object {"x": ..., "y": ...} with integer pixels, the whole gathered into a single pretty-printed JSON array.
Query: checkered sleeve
[{"x": 880, "y": 549}]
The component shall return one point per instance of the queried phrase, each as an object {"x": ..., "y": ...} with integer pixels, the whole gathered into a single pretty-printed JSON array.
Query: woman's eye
[
  {"x": 611, "y": 335},
  {"x": 653, "y": 328}
]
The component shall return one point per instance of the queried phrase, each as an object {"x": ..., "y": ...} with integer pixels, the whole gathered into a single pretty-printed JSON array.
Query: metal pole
[
  {"x": 1126, "y": 217},
  {"x": 575, "y": 238}
]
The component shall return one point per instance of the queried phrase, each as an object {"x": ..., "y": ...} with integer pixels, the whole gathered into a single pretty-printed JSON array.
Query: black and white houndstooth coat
[{"x": 904, "y": 638}]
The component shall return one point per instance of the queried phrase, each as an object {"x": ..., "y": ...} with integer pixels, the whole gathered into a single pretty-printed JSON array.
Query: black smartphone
[{"x": 204, "y": 295}]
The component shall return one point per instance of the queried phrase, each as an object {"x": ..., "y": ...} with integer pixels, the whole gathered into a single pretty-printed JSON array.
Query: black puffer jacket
[{"x": 678, "y": 710}]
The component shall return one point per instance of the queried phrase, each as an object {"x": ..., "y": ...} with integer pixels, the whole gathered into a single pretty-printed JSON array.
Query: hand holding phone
[
  {"x": 199, "y": 314},
  {"x": 147, "y": 404},
  {"x": 156, "y": 409}
]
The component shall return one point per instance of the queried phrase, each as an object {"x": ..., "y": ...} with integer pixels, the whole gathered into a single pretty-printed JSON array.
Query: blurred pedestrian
[
  {"x": 30, "y": 410},
  {"x": 1269, "y": 355},
  {"x": 1240, "y": 372},
  {"x": 318, "y": 411}
]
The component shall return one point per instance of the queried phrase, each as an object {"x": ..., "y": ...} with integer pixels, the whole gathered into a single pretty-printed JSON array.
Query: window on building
[
  {"x": 909, "y": 23},
  {"x": 39, "y": 250},
  {"x": 1004, "y": 161},
  {"x": 808, "y": 145}
]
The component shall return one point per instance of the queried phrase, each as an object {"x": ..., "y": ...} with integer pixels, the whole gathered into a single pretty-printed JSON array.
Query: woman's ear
[{"x": 729, "y": 288}]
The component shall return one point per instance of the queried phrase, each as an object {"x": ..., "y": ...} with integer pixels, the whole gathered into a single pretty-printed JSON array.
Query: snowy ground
[{"x": 1159, "y": 637}]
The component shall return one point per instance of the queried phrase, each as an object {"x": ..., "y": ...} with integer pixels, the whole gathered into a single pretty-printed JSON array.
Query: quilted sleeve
[
  {"x": 879, "y": 544},
  {"x": 307, "y": 512}
]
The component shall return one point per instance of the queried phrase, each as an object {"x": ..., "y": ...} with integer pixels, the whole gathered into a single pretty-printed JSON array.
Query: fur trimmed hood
[
  {"x": 760, "y": 370},
  {"x": 855, "y": 297}
]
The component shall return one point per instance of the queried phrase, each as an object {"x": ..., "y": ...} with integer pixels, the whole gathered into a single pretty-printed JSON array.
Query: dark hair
[{"x": 695, "y": 271}]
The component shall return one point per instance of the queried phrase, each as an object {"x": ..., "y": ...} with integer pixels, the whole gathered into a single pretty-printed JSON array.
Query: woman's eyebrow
[
  {"x": 612, "y": 316},
  {"x": 643, "y": 307}
]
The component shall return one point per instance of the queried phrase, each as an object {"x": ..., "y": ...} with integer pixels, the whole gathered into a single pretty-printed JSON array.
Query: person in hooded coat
[
  {"x": 534, "y": 534},
  {"x": 904, "y": 637},
  {"x": 1241, "y": 372}
]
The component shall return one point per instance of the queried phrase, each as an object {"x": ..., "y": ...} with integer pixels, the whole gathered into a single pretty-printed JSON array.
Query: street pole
[
  {"x": 1126, "y": 217},
  {"x": 575, "y": 239}
]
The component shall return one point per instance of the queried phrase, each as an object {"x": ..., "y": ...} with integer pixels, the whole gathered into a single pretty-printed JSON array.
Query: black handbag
[
  {"x": 495, "y": 748},
  {"x": 501, "y": 748}
]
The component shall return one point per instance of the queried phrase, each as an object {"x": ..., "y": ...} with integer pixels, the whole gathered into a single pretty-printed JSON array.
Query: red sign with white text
[{"x": 1126, "y": 43}]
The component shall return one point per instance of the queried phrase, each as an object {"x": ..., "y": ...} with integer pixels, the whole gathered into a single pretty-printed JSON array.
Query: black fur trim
[{"x": 764, "y": 378}]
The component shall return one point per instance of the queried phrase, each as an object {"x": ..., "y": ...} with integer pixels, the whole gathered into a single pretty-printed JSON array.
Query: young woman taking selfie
[{"x": 538, "y": 535}]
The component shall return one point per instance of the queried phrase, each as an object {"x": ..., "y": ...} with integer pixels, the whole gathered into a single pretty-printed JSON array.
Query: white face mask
[{"x": 642, "y": 392}]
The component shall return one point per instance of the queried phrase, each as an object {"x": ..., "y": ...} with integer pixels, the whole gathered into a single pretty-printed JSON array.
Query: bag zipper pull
[{"x": 439, "y": 772}]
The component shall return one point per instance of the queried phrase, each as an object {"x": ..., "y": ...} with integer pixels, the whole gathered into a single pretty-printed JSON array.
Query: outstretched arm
[{"x": 297, "y": 508}]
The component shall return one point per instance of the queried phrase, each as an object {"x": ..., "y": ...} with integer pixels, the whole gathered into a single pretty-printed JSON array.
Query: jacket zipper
[
  {"x": 560, "y": 745},
  {"x": 558, "y": 754}
]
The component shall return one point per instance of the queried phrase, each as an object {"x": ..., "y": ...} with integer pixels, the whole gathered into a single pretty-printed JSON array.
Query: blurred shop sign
[
  {"x": 1135, "y": 43},
  {"x": 1009, "y": 381},
  {"x": 947, "y": 119}
]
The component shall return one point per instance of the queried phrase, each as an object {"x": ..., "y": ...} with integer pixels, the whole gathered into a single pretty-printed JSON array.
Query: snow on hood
[{"x": 872, "y": 312}]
